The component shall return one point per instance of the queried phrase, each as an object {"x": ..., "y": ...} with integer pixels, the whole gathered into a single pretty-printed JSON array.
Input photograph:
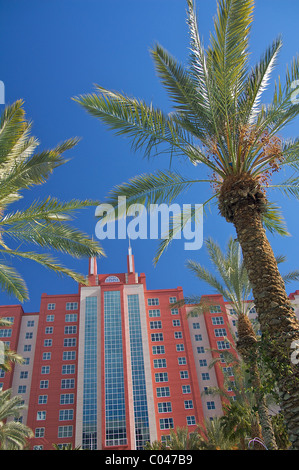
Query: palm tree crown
[
  {"x": 217, "y": 120},
  {"x": 43, "y": 223}
]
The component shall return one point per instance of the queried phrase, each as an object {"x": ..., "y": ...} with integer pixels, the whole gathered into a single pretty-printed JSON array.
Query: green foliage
[
  {"x": 44, "y": 223},
  {"x": 217, "y": 121},
  {"x": 13, "y": 434}
]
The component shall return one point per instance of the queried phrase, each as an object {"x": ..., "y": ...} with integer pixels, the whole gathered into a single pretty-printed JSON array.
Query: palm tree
[
  {"x": 13, "y": 434},
  {"x": 234, "y": 285},
  {"x": 43, "y": 223},
  {"x": 9, "y": 355},
  {"x": 245, "y": 419},
  {"x": 219, "y": 124},
  {"x": 215, "y": 437}
]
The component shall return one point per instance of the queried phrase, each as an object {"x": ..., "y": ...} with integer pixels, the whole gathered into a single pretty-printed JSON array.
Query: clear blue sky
[{"x": 52, "y": 50}]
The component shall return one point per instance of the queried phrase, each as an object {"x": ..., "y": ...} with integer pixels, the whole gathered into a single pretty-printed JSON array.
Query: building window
[
  {"x": 22, "y": 389},
  {"x": 156, "y": 337},
  {"x": 182, "y": 361},
  {"x": 178, "y": 335},
  {"x": 198, "y": 337},
  {"x": 10, "y": 319},
  {"x": 47, "y": 343},
  {"x": 223, "y": 345},
  {"x": 50, "y": 318},
  {"x": 39, "y": 432},
  {"x": 190, "y": 420},
  {"x": 215, "y": 309},
  {"x": 217, "y": 321},
  {"x": 69, "y": 342},
  {"x": 166, "y": 423},
  {"x": 211, "y": 405},
  {"x": 203, "y": 362},
  {"x": 154, "y": 313},
  {"x": 180, "y": 347},
  {"x": 5, "y": 333},
  {"x": 65, "y": 431},
  {"x": 71, "y": 317},
  {"x": 184, "y": 374},
  {"x": 228, "y": 370},
  {"x": 27, "y": 347},
  {"x": 66, "y": 415},
  {"x": 24, "y": 375},
  {"x": 155, "y": 325},
  {"x": 159, "y": 363},
  {"x": 71, "y": 306},
  {"x": 67, "y": 383},
  {"x": 163, "y": 392},
  {"x": 44, "y": 384},
  {"x": 174, "y": 311},
  {"x": 176, "y": 323},
  {"x": 220, "y": 332},
  {"x": 51, "y": 306},
  {"x": 200, "y": 349},
  {"x": 151, "y": 302},
  {"x": 115, "y": 416},
  {"x": 165, "y": 407},
  {"x": 68, "y": 369},
  {"x": 42, "y": 399},
  {"x": 30, "y": 323},
  {"x": 67, "y": 399},
  {"x": 49, "y": 330},
  {"x": 40, "y": 416},
  {"x": 45, "y": 370},
  {"x": 46, "y": 356},
  {"x": 188, "y": 404},
  {"x": 172, "y": 300},
  {"x": 205, "y": 376},
  {"x": 161, "y": 377},
  {"x": 158, "y": 349},
  {"x": 196, "y": 326},
  {"x": 186, "y": 389},
  {"x": 69, "y": 355},
  {"x": 70, "y": 330}
]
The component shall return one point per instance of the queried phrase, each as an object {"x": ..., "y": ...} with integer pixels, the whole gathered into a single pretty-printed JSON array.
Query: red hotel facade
[{"x": 114, "y": 366}]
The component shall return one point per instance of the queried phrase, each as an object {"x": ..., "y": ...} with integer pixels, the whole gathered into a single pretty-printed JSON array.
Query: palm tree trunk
[
  {"x": 246, "y": 347},
  {"x": 276, "y": 316}
]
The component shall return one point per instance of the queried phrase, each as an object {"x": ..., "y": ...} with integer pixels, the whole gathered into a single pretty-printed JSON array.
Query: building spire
[
  {"x": 93, "y": 268},
  {"x": 130, "y": 258}
]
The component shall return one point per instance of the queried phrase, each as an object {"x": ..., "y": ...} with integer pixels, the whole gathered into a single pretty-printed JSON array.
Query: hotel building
[{"x": 115, "y": 365}]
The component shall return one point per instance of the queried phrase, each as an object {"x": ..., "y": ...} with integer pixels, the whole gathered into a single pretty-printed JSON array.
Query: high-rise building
[{"x": 116, "y": 365}]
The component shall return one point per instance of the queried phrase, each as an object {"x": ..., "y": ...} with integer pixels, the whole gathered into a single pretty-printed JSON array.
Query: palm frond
[
  {"x": 257, "y": 83},
  {"x": 55, "y": 235},
  {"x": 150, "y": 189},
  {"x": 273, "y": 220},
  {"x": 146, "y": 126},
  {"x": 46, "y": 261},
  {"x": 12, "y": 283},
  {"x": 49, "y": 209}
]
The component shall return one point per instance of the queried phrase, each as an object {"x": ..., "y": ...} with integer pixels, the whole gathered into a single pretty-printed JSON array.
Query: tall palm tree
[
  {"x": 233, "y": 283},
  {"x": 13, "y": 434},
  {"x": 219, "y": 124},
  {"x": 43, "y": 223},
  {"x": 240, "y": 409}
]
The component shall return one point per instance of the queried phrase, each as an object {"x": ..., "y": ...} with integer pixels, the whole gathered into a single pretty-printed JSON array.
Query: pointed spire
[
  {"x": 130, "y": 259},
  {"x": 93, "y": 268}
]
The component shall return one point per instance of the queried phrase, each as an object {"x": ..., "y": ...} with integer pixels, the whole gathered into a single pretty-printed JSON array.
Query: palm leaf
[{"x": 12, "y": 283}]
